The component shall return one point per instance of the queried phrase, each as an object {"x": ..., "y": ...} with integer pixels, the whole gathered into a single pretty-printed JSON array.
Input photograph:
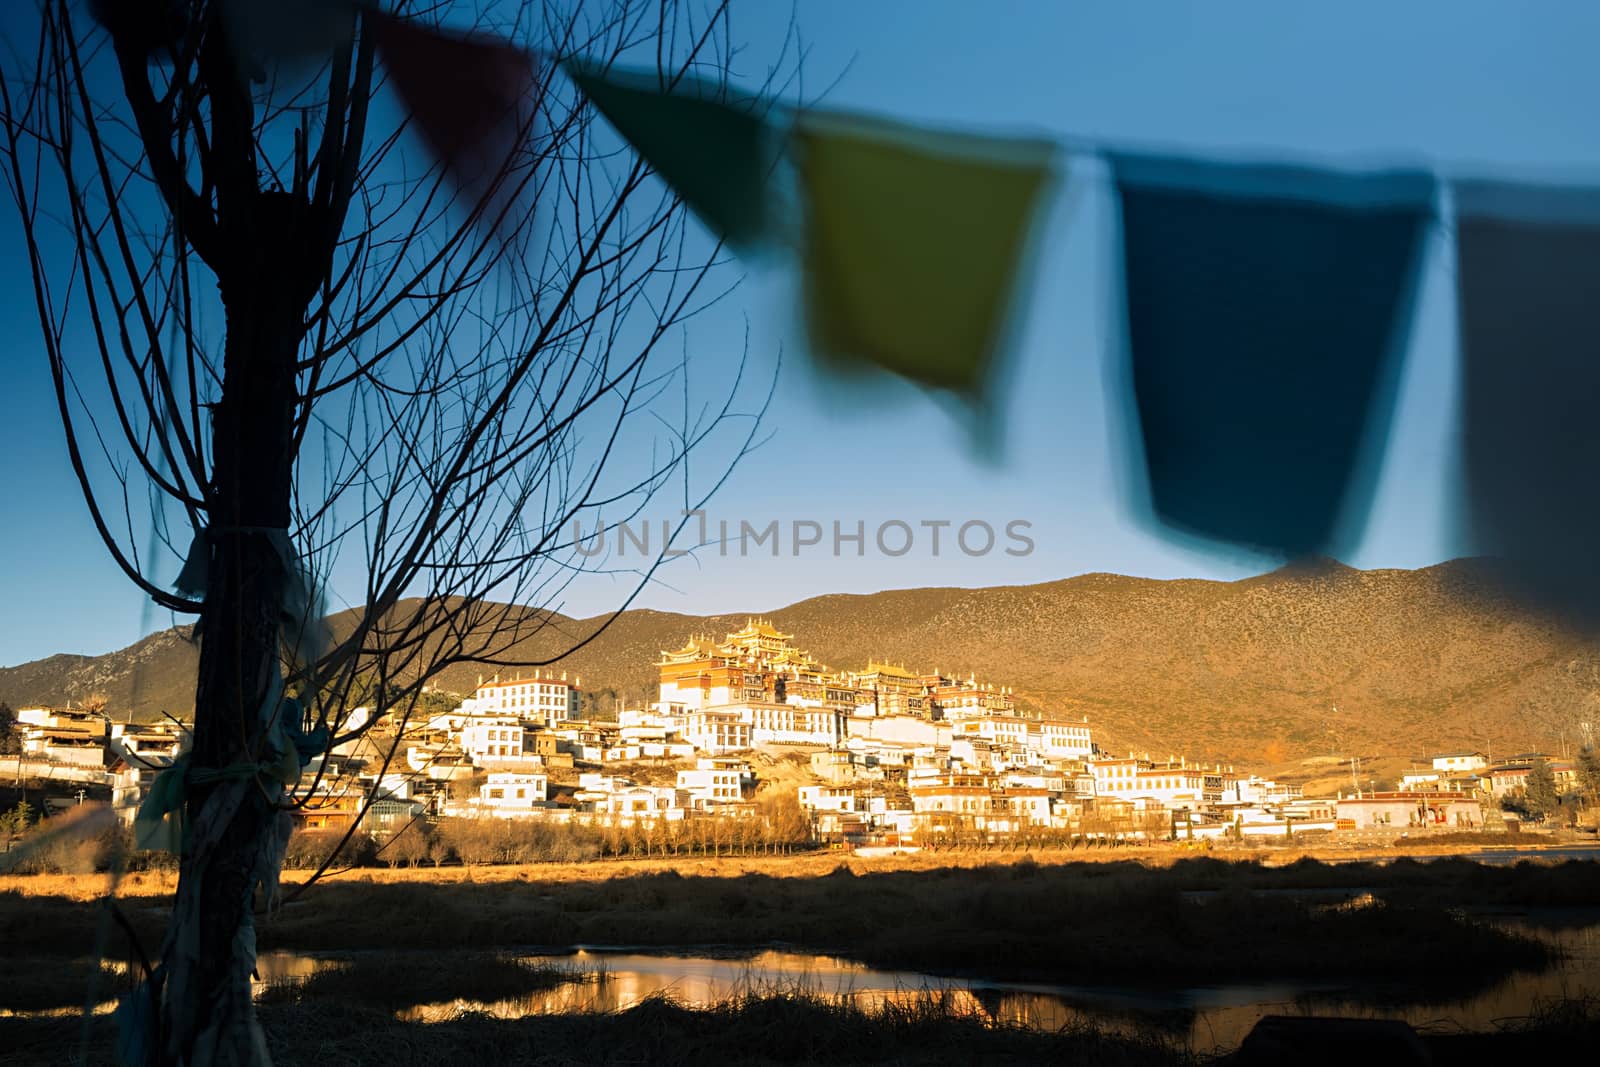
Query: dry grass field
[
  {"x": 1119, "y": 915},
  {"x": 1167, "y": 912},
  {"x": 799, "y": 865}
]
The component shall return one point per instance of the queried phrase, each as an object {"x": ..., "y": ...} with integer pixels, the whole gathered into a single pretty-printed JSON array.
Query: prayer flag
[
  {"x": 914, "y": 243},
  {"x": 1528, "y": 276},
  {"x": 711, "y": 146},
  {"x": 1265, "y": 306},
  {"x": 469, "y": 95}
]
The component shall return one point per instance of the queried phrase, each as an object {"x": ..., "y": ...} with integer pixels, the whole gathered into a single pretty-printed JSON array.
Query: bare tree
[{"x": 286, "y": 341}]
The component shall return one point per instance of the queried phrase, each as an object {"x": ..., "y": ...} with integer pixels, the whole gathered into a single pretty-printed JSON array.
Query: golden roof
[
  {"x": 698, "y": 645},
  {"x": 889, "y": 669},
  {"x": 761, "y": 627}
]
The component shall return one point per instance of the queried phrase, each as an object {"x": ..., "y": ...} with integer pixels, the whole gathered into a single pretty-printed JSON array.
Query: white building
[
  {"x": 717, "y": 730},
  {"x": 78, "y": 747},
  {"x": 1060, "y": 739},
  {"x": 794, "y": 723},
  {"x": 145, "y": 742},
  {"x": 979, "y": 755},
  {"x": 1000, "y": 730},
  {"x": 1117, "y": 779},
  {"x": 834, "y": 798},
  {"x": 876, "y": 755},
  {"x": 642, "y": 802},
  {"x": 542, "y": 699},
  {"x": 513, "y": 792},
  {"x": 57, "y": 718},
  {"x": 1046, "y": 778},
  {"x": 1027, "y": 806},
  {"x": 708, "y": 785},
  {"x": 131, "y": 778},
  {"x": 1173, "y": 787},
  {"x": 492, "y": 739},
  {"x": 392, "y": 786},
  {"x": 441, "y": 763},
  {"x": 596, "y": 783},
  {"x": 1419, "y": 778},
  {"x": 901, "y": 729}
]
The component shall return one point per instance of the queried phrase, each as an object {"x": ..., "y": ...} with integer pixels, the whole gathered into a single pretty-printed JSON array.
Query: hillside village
[
  {"x": 1246, "y": 672},
  {"x": 882, "y": 757}
]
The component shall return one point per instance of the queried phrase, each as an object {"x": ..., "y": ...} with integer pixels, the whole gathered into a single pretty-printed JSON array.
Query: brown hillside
[
  {"x": 1247, "y": 670},
  {"x": 148, "y": 677}
]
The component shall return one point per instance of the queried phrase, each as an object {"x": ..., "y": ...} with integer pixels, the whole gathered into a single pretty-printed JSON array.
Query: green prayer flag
[
  {"x": 711, "y": 146},
  {"x": 914, "y": 241}
]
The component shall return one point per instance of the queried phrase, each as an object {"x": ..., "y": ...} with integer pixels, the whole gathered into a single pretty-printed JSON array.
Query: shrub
[{"x": 313, "y": 848}]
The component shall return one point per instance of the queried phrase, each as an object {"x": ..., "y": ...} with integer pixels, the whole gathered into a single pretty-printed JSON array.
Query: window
[{"x": 497, "y": 794}]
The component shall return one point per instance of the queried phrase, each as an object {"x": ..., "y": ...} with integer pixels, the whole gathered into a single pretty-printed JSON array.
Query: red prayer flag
[{"x": 469, "y": 95}]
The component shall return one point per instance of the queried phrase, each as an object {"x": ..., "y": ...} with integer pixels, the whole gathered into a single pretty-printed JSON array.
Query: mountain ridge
[{"x": 1240, "y": 670}]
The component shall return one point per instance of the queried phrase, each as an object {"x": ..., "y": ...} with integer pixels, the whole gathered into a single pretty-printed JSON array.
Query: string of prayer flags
[
  {"x": 913, "y": 244},
  {"x": 712, "y": 147},
  {"x": 1528, "y": 274},
  {"x": 1265, "y": 304},
  {"x": 1264, "y": 308}
]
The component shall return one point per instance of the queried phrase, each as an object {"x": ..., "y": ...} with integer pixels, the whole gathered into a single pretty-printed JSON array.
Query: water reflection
[{"x": 1203, "y": 1018}]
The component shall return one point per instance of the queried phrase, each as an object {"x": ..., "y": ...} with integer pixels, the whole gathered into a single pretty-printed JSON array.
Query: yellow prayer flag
[{"x": 913, "y": 243}]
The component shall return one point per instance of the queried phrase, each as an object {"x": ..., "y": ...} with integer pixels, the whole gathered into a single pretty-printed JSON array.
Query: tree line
[
  {"x": 1542, "y": 797},
  {"x": 779, "y": 826}
]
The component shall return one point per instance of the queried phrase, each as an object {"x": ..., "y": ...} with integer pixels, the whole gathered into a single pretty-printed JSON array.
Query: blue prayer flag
[
  {"x": 1528, "y": 273},
  {"x": 1264, "y": 306}
]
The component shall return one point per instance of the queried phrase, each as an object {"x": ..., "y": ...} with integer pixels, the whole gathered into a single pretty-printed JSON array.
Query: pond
[{"x": 1202, "y": 1018}]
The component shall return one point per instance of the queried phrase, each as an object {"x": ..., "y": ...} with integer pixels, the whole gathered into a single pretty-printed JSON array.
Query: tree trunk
[{"x": 208, "y": 956}]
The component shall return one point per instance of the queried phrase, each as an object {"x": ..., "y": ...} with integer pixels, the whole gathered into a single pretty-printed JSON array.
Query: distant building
[
  {"x": 1509, "y": 781},
  {"x": 640, "y": 802},
  {"x": 1005, "y": 730},
  {"x": 951, "y": 698},
  {"x": 1460, "y": 762},
  {"x": 80, "y": 746},
  {"x": 1061, "y": 738},
  {"x": 1421, "y": 778},
  {"x": 717, "y": 730},
  {"x": 131, "y": 779},
  {"x": 901, "y": 729},
  {"x": 754, "y": 687},
  {"x": 1410, "y": 810},
  {"x": 512, "y": 792},
  {"x": 890, "y": 689},
  {"x": 390, "y": 815},
  {"x": 542, "y": 700},
  {"x": 330, "y": 806},
  {"x": 492, "y": 739},
  {"x": 710, "y": 785},
  {"x": 1116, "y": 778}
]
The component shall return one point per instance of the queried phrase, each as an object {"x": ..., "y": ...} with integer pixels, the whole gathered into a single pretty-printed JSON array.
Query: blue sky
[{"x": 1474, "y": 88}]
